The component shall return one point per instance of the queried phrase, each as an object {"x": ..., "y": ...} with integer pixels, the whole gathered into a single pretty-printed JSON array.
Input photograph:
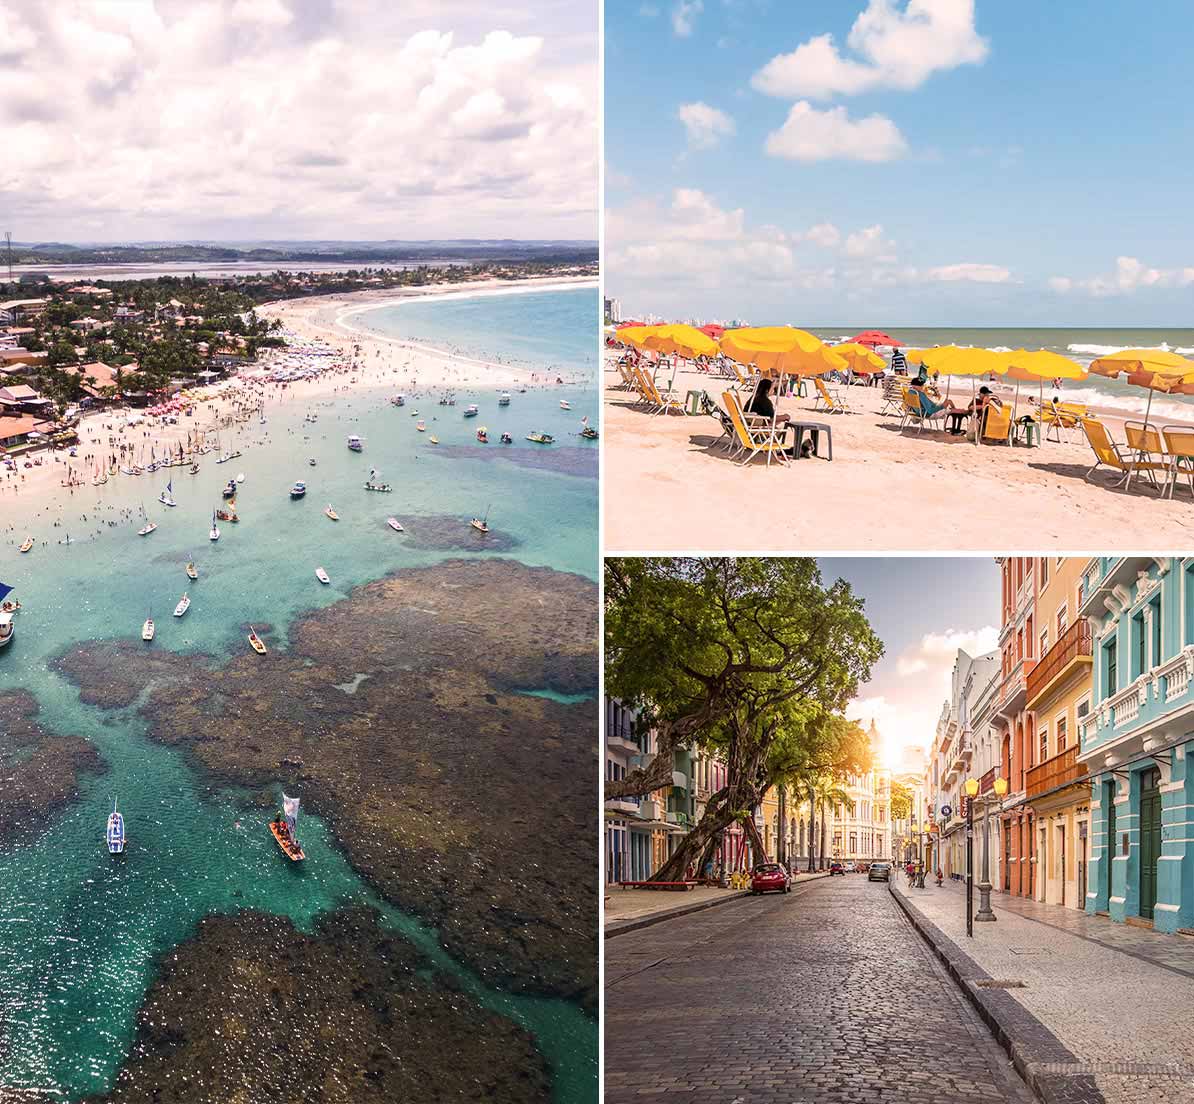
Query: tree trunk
[
  {"x": 670, "y": 738},
  {"x": 812, "y": 835},
  {"x": 756, "y": 841},
  {"x": 824, "y": 836},
  {"x": 694, "y": 845}
]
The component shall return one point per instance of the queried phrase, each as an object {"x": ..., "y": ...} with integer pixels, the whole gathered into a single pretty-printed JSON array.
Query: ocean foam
[{"x": 1108, "y": 350}]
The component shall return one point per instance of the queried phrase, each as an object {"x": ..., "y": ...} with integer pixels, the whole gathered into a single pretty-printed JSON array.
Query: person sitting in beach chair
[
  {"x": 996, "y": 423},
  {"x": 761, "y": 406},
  {"x": 922, "y": 408}
]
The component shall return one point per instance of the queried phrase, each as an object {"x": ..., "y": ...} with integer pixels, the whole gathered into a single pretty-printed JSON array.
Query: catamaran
[
  {"x": 147, "y": 630},
  {"x": 481, "y": 524},
  {"x": 322, "y": 576},
  {"x": 215, "y": 529},
  {"x": 184, "y": 604},
  {"x": 115, "y": 832},
  {"x": 166, "y": 498},
  {"x": 285, "y": 829}
]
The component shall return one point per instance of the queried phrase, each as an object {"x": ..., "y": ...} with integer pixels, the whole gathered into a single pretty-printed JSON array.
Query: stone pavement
[
  {"x": 625, "y": 906},
  {"x": 1106, "y": 1011},
  {"x": 824, "y": 996}
]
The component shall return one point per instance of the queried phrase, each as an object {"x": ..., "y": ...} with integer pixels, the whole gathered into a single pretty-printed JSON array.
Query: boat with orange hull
[{"x": 285, "y": 829}]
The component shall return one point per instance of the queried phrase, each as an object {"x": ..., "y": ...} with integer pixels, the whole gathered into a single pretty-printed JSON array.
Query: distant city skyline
[
  {"x": 900, "y": 162},
  {"x": 226, "y": 120}
]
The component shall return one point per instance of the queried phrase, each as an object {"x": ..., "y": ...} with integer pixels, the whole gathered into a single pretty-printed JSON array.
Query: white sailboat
[
  {"x": 184, "y": 604},
  {"x": 148, "y": 527},
  {"x": 114, "y": 834},
  {"x": 481, "y": 524},
  {"x": 147, "y": 630},
  {"x": 215, "y": 529},
  {"x": 166, "y": 498}
]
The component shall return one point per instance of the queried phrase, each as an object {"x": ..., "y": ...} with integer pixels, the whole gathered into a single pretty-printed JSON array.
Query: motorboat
[
  {"x": 541, "y": 438},
  {"x": 371, "y": 486},
  {"x": 255, "y": 642},
  {"x": 565, "y": 404},
  {"x": 240, "y": 477},
  {"x": 147, "y": 629},
  {"x": 299, "y": 489},
  {"x": 481, "y": 524},
  {"x": 398, "y": 400},
  {"x": 589, "y": 433},
  {"x": 7, "y": 628},
  {"x": 354, "y": 443},
  {"x": 26, "y": 544},
  {"x": 114, "y": 834},
  {"x": 322, "y": 576},
  {"x": 311, "y": 461},
  {"x": 192, "y": 571},
  {"x": 471, "y": 410},
  {"x": 284, "y": 827},
  {"x": 506, "y": 439},
  {"x": 420, "y": 425},
  {"x": 394, "y": 524},
  {"x": 184, "y": 604},
  {"x": 332, "y": 513},
  {"x": 147, "y": 528},
  {"x": 504, "y": 399},
  {"x": 194, "y": 469},
  {"x": 215, "y": 529},
  {"x": 230, "y": 514},
  {"x": 229, "y": 490}
]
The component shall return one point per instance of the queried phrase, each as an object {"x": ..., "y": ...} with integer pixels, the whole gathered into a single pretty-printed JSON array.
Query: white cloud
[
  {"x": 1129, "y": 276},
  {"x": 895, "y": 49},
  {"x": 705, "y": 125},
  {"x": 824, "y": 234},
  {"x": 971, "y": 273},
  {"x": 934, "y": 654},
  {"x": 868, "y": 242},
  {"x": 326, "y": 120},
  {"x": 812, "y": 135},
  {"x": 684, "y": 17}
]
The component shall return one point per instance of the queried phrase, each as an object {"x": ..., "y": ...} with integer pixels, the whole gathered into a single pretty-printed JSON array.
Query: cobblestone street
[{"x": 825, "y": 995}]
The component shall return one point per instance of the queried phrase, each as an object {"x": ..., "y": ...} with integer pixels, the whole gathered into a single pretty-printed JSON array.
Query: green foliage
[{"x": 901, "y": 801}]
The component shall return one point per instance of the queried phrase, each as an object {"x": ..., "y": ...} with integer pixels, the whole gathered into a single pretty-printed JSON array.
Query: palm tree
[{"x": 818, "y": 789}]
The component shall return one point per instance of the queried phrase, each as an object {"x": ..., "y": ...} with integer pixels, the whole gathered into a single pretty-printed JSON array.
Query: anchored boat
[
  {"x": 354, "y": 443},
  {"x": 322, "y": 576},
  {"x": 284, "y": 826},
  {"x": 481, "y": 524},
  {"x": 115, "y": 832},
  {"x": 299, "y": 489},
  {"x": 255, "y": 642},
  {"x": 147, "y": 630}
]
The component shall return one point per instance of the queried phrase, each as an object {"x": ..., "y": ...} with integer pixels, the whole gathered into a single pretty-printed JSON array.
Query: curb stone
[
  {"x": 1034, "y": 1050},
  {"x": 684, "y": 910}
]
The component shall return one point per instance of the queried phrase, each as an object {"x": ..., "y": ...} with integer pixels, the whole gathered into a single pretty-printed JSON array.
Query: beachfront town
[
  {"x": 1035, "y": 844},
  {"x": 66, "y": 348}
]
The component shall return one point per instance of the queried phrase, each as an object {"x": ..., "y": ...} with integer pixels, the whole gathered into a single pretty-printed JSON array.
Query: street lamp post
[
  {"x": 971, "y": 794},
  {"x": 922, "y": 860},
  {"x": 984, "y": 887}
]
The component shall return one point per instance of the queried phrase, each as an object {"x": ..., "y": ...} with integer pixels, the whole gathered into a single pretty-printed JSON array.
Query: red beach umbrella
[
  {"x": 713, "y": 330},
  {"x": 873, "y": 338}
]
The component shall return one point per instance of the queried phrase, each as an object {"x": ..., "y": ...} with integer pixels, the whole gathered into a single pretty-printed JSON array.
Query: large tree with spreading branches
[{"x": 750, "y": 659}]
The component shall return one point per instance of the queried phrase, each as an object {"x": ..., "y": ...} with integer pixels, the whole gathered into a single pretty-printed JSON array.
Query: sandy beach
[
  {"x": 669, "y": 486},
  {"x": 329, "y": 333}
]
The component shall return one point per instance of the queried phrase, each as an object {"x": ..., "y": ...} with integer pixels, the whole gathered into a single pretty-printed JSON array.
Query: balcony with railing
[
  {"x": 1072, "y": 650},
  {"x": 1013, "y": 692},
  {"x": 1062, "y": 770}
]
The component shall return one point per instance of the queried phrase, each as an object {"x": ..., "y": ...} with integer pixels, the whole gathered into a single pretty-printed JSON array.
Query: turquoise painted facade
[{"x": 1138, "y": 738}]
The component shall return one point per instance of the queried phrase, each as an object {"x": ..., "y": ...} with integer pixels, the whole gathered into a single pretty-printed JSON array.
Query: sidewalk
[
  {"x": 630, "y": 909},
  {"x": 1105, "y": 1011}
]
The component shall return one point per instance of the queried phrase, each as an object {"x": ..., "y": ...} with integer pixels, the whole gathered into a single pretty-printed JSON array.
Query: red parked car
[
  {"x": 768, "y": 876},
  {"x": 836, "y": 868}
]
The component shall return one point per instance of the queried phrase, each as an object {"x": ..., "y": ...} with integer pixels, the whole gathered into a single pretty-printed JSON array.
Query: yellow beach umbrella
[
  {"x": 781, "y": 350},
  {"x": 1027, "y": 367},
  {"x": 1155, "y": 369},
  {"x": 635, "y": 335},
  {"x": 862, "y": 360},
  {"x": 682, "y": 340}
]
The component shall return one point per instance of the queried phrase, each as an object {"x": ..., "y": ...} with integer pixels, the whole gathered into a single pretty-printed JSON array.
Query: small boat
[
  {"x": 506, "y": 439},
  {"x": 240, "y": 477},
  {"x": 565, "y": 404},
  {"x": 311, "y": 461},
  {"x": 184, "y": 604},
  {"x": 10, "y": 607},
  {"x": 421, "y": 426},
  {"x": 115, "y": 832},
  {"x": 166, "y": 498},
  {"x": 504, "y": 399},
  {"x": 541, "y": 438},
  {"x": 7, "y": 629},
  {"x": 299, "y": 489},
  {"x": 354, "y": 443},
  {"x": 215, "y": 529},
  {"x": 471, "y": 410},
  {"x": 398, "y": 400},
  {"x": 481, "y": 524},
  {"x": 192, "y": 571},
  {"x": 255, "y": 642},
  {"x": 147, "y": 630},
  {"x": 284, "y": 826},
  {"x": 322, "y": 576},
  {"x": 332, "y": 513},
  {"x": 589, "y": 433},
  {"x": 229, "y": 514},
  {"x": 483, "y": 435},
  {"x": 147, "y": 528},
  {"x": 26, "y": 544},
  {"x": 434, "y": 440},
  {"x": 394, "y": 524},
  {"x": 194, "y": 469},
  {"x": 371, "y": 486},
  {"x": 229, "y": 490}
]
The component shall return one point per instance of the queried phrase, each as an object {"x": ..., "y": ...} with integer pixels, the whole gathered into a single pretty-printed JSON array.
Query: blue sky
[
  {"x": 1024, "y": 163},
  {"x": 911, "y": 682}
]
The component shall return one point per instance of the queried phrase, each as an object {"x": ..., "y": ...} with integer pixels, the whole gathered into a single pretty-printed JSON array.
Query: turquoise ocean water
[{"x": 79, "y": 933}]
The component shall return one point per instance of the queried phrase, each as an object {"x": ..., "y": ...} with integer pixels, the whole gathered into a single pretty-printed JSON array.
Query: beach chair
[
  {"x": 641, "y": 386},
  {"x": 663, "y": 402},
  {"x": 1109, "y": 454},
  {"x": 914, "y": 413},
  {"x": 1059, "y": 418},
  {"x": 1144, "y": 439},
  {"x": 893, "y": 397},
  {"x": 767, "y": 439},
  {"x": 831, "y": 397},
  {"x": 1179, "y": 444},
  {"x": 743, "y": 380},
  {"x": 997, "y": 424},
  {"x": 729, "y": 435}
]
